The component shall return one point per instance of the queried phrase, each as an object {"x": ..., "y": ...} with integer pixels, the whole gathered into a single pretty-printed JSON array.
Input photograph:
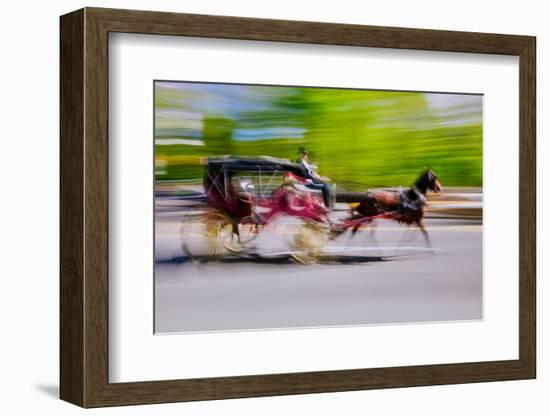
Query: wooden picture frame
[{"x": 84, "y": 207}]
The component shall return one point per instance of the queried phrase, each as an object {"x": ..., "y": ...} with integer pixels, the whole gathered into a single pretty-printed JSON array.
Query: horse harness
[{"x": 412, "y": 199}]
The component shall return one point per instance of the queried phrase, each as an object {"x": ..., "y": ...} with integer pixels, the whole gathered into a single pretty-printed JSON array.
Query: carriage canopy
[{"x": 237, "y": 164}]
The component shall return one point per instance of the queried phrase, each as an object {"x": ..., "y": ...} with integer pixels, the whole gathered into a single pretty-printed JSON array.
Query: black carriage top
[{"x": 237, "y": 164}]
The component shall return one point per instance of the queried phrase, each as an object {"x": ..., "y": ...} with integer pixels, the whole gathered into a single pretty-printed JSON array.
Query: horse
[{"x": 405, "y": 206}]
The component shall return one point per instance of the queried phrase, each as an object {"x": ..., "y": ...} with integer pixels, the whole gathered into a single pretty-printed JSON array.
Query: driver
[{"x": 314, "y": 180}]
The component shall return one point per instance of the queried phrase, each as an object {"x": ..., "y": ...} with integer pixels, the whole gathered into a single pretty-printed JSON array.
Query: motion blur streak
[{"x": 287, "y": 272}]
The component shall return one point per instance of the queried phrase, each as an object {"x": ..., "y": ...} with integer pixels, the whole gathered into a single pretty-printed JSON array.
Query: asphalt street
[{"x": 384, "y": 277}]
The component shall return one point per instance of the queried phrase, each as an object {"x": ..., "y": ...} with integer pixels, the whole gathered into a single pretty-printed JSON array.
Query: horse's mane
[{"x": 423, "y": 181}]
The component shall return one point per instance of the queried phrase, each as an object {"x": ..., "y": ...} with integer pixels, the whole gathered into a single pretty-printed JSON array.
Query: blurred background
[{"x": 358, "y": 138}]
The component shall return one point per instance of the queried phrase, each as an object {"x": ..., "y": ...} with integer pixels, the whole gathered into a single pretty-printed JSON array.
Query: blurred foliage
[
  {"x": 217, "y": 135},
  {"x": 357, "y": 138}
]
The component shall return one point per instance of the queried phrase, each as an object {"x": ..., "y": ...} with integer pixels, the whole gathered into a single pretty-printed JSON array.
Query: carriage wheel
[
  {"x": 308, "y": 239},
  {"x": 248, "y": 231},
  {"x": 203, "y": 235}
]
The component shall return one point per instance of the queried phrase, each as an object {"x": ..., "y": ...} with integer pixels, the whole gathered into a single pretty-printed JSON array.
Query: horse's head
[{"x": 428, "y": 182}]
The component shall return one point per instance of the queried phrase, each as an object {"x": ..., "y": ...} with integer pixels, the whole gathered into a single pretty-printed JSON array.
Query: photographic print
[{"x": 281, "y": 207}]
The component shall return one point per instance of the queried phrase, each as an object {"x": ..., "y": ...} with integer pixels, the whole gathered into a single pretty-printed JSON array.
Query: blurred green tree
[
  {"x": 218, "y": 135},
  {"x": 359, "y": 138}
]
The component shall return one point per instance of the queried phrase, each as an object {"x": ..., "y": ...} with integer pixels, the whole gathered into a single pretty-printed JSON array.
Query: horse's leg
[
  {"x": 424, "y": 232},
  {"x": 407, "y": 236},
  {"x": 372, "y": 233},
  {"x": 352, "y": 233}
]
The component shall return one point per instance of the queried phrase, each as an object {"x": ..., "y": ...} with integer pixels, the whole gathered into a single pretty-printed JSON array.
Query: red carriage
[{"x": 245, "y": 197}]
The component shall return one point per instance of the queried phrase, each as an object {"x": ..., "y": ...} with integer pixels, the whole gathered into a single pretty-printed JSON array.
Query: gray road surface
[{"x": 412, "y": 284}]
